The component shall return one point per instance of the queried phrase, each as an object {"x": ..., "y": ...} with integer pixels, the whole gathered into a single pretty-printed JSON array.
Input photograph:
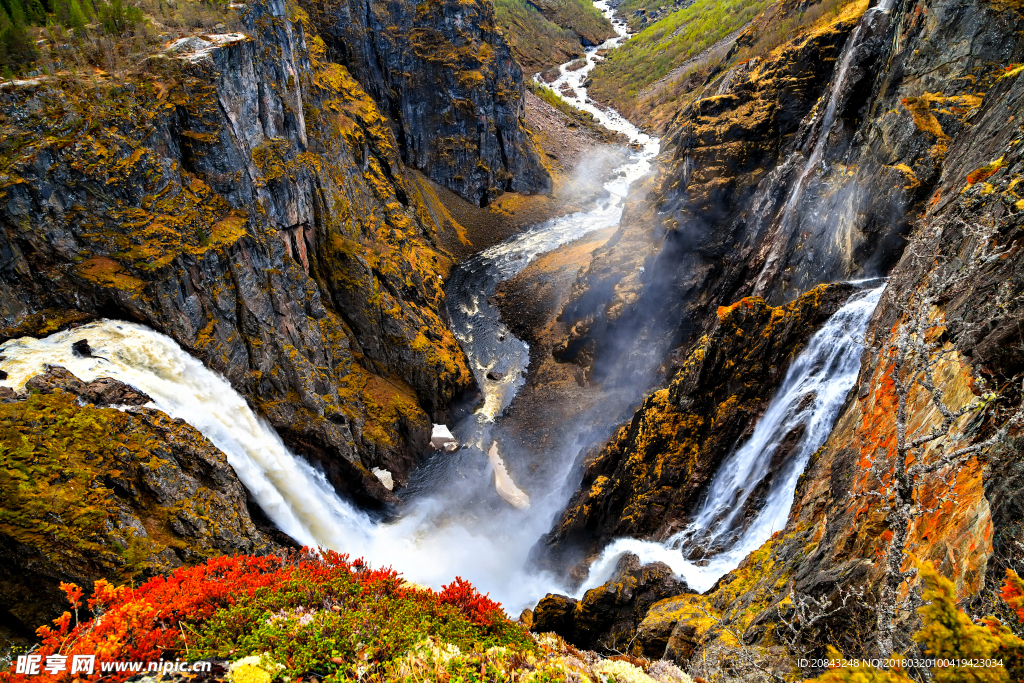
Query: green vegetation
[
  {"x": 16, "y": 44},
  {"x": 536, "y": 42},
  {"x": 541, "y": 40},
  {"x": 657, "y": 50},
  {"x": 579, "y": 16},
  {"x": 44, "y": 37}
]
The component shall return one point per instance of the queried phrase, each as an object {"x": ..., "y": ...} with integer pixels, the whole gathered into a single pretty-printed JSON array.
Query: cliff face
[
  {"x": 964, "y": 265},
  {"x": 247, "y": 197},
  {"x": 645, "y": 482},
  {"x": 92, "y": 492},
  {"x": 927, "y": 145},
  {"x": 446, "y": 78},
  {"x": 802, "y": 166}
]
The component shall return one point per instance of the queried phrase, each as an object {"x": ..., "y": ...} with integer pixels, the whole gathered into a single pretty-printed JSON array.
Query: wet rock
[
  {"x": 495, "y": 376},
  {"x": 3, "y": 375},
  {"x": 81, "y": 349},
  {"x": 606, "y": 618},
  {"x": 102, "y": 391},
  {"x": 554, "y": 614},
  {"x": 442, "y": 439}
]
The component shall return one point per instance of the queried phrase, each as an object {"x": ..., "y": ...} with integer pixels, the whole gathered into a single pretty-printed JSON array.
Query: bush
[
  {"x": 306, "y": 612},
  {"x": 949, "y": 634}
]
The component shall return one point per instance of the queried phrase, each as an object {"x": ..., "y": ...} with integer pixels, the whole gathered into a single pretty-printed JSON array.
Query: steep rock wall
[
  {"x": 952, "y": 73},
  {"x": 445, "y": 76},
  {"x": 736, "y": 210}
]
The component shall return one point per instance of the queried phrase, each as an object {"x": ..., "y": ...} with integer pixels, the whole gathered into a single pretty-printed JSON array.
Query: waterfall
[
  {"x": 722, "y": 531},
  {"x": 294, "y": 495},
  {"x": 823, "y": 125}
]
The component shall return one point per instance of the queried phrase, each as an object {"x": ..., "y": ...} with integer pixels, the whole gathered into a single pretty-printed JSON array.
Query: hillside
[{"x": 547, "y": 33}]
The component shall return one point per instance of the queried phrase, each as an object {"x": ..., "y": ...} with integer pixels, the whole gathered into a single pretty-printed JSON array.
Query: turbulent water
[{"x": 807, "y": 404}]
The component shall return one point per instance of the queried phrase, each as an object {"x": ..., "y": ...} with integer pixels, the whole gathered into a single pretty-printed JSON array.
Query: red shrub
[{"x": 475, "y": 607}]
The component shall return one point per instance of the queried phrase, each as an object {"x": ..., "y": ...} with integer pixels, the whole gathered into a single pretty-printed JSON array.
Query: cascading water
[
  {"x": 443, "y": 531},
  {"x": 821, "y": 128},
  {"x": 298, "y": 498},
  {"x": 804, "y": 408}
]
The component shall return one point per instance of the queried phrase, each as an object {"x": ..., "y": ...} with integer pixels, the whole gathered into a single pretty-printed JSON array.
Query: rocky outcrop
[
  {"x": 247, "y": 197},
  {"x": 90, "y": 492},
  {"x": 445, "y": 76},
  {"x": 606, "y": 618},
  {"x": 968, "y": 525},
  {"x": 646, "y": 480}
]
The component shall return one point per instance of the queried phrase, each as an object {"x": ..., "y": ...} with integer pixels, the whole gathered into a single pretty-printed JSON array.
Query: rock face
[
  {"x": 93, "y": 492},
  {"x": 738, "y": 208},
  {"x": 969, "y": 526},
  {"x": 446, "y": 77},
  {"x": 926, "y": 134},
  {"x": 246, "y": 196},
  {"x": 646, "y": 480},
  {"x": 607, "y": 617}
]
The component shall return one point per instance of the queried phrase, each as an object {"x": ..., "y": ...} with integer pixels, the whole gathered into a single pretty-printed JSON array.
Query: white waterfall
[
  {"x": 809, "y": 399},
  {"x": 823, "y": 124},
  {"x": 298, "y": 498}
]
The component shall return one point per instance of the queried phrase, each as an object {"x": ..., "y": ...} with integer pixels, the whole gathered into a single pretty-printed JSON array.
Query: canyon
[{"x": 723, "y": 374}]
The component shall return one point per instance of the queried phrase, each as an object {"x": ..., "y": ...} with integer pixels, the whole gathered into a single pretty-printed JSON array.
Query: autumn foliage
[
  {"x": 966, "y": 647},
  {"x": 1013, "y": 593},
  {"x": 310, "y": 611}
]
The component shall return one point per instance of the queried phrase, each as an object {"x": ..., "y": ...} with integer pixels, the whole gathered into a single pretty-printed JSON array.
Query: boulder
[{"x": 606, "y": 618}]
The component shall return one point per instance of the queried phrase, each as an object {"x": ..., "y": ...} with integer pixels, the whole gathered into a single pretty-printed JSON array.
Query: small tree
[
  {"x": 933, "y": 457},
  {"x": 118, "y": 17},
  {"x": 16, "y": 46},
  {"x": 70, "y": 14}
]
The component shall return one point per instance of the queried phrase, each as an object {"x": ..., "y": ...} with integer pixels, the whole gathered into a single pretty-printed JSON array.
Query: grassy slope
[
  {"x": 542, "y": 39},
  {"x": 536, "y": 42},
  {"x": 658, "y": 49},
  {"x": 696, "y": 42},
  {"x": 579, "y": 16}
]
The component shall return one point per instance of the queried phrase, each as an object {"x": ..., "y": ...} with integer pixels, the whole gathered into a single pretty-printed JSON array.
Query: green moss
[{"x": 69, "y": 475}]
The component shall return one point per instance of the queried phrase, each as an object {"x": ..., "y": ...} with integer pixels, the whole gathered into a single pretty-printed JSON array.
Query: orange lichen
[{"x": 985, "y": 172}]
